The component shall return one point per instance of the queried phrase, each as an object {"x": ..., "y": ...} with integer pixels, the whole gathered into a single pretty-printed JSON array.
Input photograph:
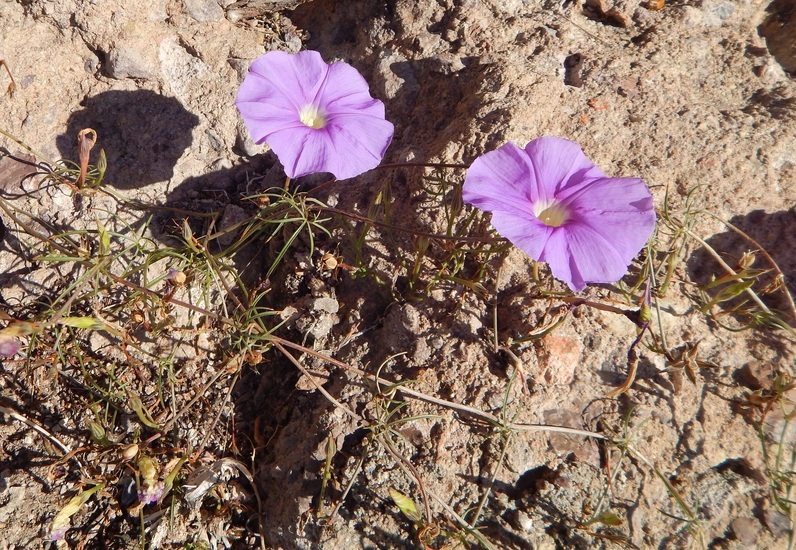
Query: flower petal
[
  {"x": 305, "y": 151},
  {"x": 528, "y": 234},
  {"x": 345, "y": 91},
  {"x": 604, "y": 222},
  {"x": 366, "y": 136},
  {"x": 301, "y": 150},
  {"x": 558, "y": 164},
  {"x": 296, "y": 76},
  {"x": 620, "y": 210},
  {"x": 578, "y": 255},
  {"x": 9, "y": 346},
  {"x": 266, "y": 116},
  {"x": 500, "y": 180}
]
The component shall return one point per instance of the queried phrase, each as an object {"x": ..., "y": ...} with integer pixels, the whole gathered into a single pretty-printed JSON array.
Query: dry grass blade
[
  {"x": 13, "y": 85},
  {"x": 38, "y": 428}
]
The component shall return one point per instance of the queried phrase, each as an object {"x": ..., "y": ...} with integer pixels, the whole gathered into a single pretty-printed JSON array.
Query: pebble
[
  {"x": 204, "y": 10},
  {"x": 329, "y": 305},
  {"x": 521, "y": 521},
  {"x": 245, "y": 143},
  {"x": 132, "y": 60},
  {"x": 746, "y": 530}
]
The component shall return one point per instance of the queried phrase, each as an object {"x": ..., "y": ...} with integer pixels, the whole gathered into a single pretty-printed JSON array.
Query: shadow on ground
[
  {"x": 774, "y": 232},
  {"x": 143, "y": 134}
]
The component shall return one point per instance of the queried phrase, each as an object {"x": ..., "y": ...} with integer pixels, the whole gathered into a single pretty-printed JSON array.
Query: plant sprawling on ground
[{"x": 124, "y": 320}]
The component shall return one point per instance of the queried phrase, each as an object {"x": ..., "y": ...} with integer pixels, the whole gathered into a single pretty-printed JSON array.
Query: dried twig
[{"x": 38, "y": 427}]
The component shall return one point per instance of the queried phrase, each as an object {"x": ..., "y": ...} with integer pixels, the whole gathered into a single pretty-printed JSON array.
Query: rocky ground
[{"x": 696, "y": 97}]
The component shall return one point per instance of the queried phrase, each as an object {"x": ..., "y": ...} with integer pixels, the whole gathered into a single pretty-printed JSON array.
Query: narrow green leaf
[
  {"x": 82, "y": 322},
  {"x": 141, "y": 412},
  {"x": 168, "y": 483},
  {"x": 104, "y": 239}
]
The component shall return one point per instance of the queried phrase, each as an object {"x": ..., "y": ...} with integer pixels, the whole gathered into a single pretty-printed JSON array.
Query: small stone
[
  {"x": 724, "y": 10},
  {"x": 755, "y": 376},
  {"x": 521, "y": 521},
  {"x": 746, "y": 530},
  {"x": 598, "y": 7},
  {"x": 777, "y": 522},
  {"x": 564, "y": 444},
  {"x": 245, "y": 143},
  {"x": 467, "y": 326},
  {"x": 778, "y": 29},
  {"x": 135, "y": 55},
  {"x": 691, "y": 16},
  {"x": 618, "y": 17},
  {"x": 329, "y": 305},
  {"x": 559, "y": 357},
  {"x": 204, "y": 10}
]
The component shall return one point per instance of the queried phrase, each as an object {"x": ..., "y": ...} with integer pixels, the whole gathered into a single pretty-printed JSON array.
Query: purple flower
[
  {"x": 152, "y": 493},
  {"x": 558, "y": 207},
  {"x": 316, "y": 117},
  {"x": 9, "y": 346},
  {"x": 58, "y": 533}
]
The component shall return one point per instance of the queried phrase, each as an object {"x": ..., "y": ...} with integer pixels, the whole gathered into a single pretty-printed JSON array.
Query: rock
[
  {"x": 133, "y": 58},
  {"x": 521, "y": 521},
  {"x": 746, "y": 530},
  {"x": 558, "y": 358},
  {"x": 204, "y": 10},
  {"x": 564, "y": 444},
  {"x": 245, "y": 143},
  {"x": 776, "y": 521},
  {"x": 755, "y": 375},
  {"x": 325, "y": 304},
  {"x": 180, "y": 69},
  {"x": 467, "y": 325}
]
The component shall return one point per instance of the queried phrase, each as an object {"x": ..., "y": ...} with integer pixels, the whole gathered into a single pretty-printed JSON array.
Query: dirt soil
[{"x": 696, "y": 98}]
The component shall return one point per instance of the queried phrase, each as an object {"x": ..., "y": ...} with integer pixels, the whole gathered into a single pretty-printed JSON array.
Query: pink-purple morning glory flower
[
  {"x": 316, "y": 117},
  {"x": 553, "y": 203}
]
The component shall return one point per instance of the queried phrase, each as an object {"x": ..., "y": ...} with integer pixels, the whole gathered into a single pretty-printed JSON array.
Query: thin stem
[
  {"x": 318, "y": 387},
  {"x": 765, "y": 254},
  {"x": 435, "y": 400},
  {"x": 37, "y": 427},
  {"x": 729, "y": 270},
  {"x": 437, "y": 236}
]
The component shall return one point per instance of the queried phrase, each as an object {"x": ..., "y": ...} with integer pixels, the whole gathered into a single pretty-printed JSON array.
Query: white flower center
[
  {"x": 312, "y": 116},
  {"x": 552, "y": 214}
]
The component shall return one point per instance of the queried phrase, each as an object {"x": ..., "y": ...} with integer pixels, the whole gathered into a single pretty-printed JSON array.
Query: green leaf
[
  {"x": 168, "y": 483},
  {"x": 61, "y": 520},
  {"x": 98, "y": 433},
  {"x": 141, "y": 412},
  {"x": 104, "y": 239},
  {"x": 82, "y": 322},
  {"x": 20, "y": 328},
  {"x": 608, "y": 518},
  {"x": 102, "y": 166},
  {"x": 406, "y": 505}
]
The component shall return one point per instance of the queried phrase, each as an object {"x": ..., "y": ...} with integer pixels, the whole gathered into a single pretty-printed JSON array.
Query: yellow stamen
[
  {"x": 312, "y": 116},
  {"x": 553, "y": 215}
]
